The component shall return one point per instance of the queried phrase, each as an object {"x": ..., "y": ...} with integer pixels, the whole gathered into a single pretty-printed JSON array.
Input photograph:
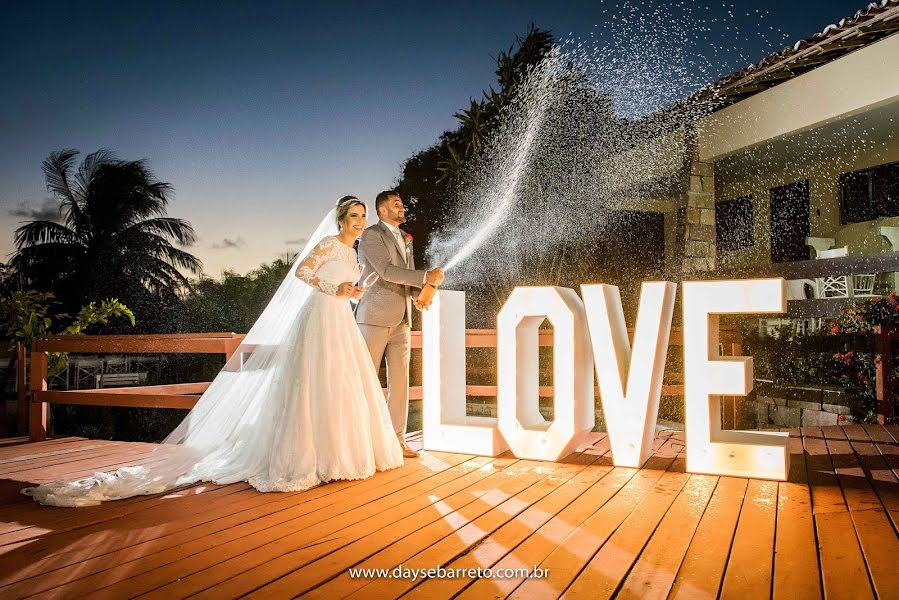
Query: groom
[{"x": 384, "y": 313}]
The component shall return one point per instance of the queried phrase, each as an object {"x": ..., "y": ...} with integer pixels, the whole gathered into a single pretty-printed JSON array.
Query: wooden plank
[
  {"x": 876, "y": 469},
  {"x": 13, "y": 441},
  {"x": 498, "y": 530},
  {"x": 880, "y": 547},
  {"x": 564, "y": 558},
  {"x": 21, "y": 389},
  {"x": 173, "y": 389},
  {"x": 33, "y": 449},
  {"x": 797, "y": 573},
  {"x": 702, "y": 568},
  {"x": 135, "y": 345},
  {"x": 525, "y": 515},
  {"x": 531, "y": 536},
  {"x": 608, "y": 568},
  {"x": 842, "y": 566},
  {"x": 37, "y": 413},
  {"x": 212, "y": 343},
  {"x": 449, "y": 536},
  {"x": 750, "y": 566},
  {"x": 843, "y": 572},
  {"x": 548, "y": 391},
  {"x": 867, "y": 512},
  {"x": 857, "y": 491},
  {"x": 332, "y": 572},
  {"x": 200, "y": 528},
  {"x": 653, "y": 574},
  {"x": 486, "y": 338},
  {"x": 827, "y": 496},
  {"x": 223, "y": 561},
  {"x": 58, "y": 457},
  {"x": 876, "y": 433}
]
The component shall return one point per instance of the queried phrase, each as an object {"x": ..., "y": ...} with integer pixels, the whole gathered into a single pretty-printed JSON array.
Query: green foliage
[
  {"x": 26, "y": 316},
  {"x": 820, "y": 358},
  {"x": 232, "y": 303}
]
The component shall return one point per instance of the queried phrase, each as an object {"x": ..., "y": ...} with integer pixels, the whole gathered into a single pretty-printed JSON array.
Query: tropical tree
[
  {"x": 232, "y": 303},
  {"x": 478, "y": 120},
  {"x": 432, "y": 178},
  {"x": 114, "y": 238}
]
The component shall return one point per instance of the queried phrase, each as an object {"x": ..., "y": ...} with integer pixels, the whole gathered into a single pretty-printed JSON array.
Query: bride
[{"x": 298, "y": 404}]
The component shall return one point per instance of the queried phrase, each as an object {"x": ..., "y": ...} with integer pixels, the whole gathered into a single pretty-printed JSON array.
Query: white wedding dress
[{"x": 298, "y": 405}]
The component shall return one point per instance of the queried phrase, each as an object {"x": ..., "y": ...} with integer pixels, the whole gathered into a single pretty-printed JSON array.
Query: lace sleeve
[{"x": 310, "y": 265}]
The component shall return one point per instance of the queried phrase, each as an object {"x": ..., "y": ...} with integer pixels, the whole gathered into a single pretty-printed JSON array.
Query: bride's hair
[{"x": 344, "y": 204}]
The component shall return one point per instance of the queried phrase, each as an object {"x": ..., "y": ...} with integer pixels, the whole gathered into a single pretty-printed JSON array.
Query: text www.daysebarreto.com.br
[{"x": 401, "y": 572}]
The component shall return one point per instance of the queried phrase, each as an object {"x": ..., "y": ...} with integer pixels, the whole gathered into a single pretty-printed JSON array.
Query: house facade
[{"x": 799, "y": 155}]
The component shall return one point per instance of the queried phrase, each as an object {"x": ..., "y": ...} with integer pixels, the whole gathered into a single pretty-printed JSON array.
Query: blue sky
[{"x": 262, "y": 114}]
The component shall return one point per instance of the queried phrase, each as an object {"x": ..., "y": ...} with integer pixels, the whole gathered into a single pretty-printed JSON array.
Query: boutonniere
[{"x": 407, "y": 237}]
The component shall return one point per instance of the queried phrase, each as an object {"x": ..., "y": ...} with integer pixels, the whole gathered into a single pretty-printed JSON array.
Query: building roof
[{"x": 876, "y": 21}]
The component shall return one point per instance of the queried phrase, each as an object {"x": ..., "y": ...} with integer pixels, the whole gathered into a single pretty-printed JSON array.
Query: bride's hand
[{"x": 348, "y": 290}]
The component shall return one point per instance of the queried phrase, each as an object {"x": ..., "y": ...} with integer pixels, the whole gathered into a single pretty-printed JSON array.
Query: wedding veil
[
  {"x": 234, "y": 395},
  {"x": 226, "y": 437}
]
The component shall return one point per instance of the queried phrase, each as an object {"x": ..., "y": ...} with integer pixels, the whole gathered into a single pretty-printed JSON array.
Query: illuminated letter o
[{"x": 528, "y": 434}]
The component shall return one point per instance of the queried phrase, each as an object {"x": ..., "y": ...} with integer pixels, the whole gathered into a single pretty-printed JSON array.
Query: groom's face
[{"x": 394, "y": 211}]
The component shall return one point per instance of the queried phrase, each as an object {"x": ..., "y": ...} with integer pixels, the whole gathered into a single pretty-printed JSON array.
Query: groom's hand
[{"x": 434, "y": 277}]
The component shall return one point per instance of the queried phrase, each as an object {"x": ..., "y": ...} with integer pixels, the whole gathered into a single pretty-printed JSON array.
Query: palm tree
[
  {"x": 481, "y": 118},
  {"x": 114, "y": 239}
]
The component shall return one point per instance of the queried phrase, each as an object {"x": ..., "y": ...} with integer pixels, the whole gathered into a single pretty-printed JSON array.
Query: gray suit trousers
[{"x": 394, "y": 343}]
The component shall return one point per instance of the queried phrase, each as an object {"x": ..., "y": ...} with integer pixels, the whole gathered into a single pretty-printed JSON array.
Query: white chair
[
  {"x": 797, "y": 290},
  {"x": 863, "y": 285},
  {"x": 836, "y": 286}
]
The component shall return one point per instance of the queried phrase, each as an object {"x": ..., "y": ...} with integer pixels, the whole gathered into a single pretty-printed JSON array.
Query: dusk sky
[{"x": 262, "y": 114}]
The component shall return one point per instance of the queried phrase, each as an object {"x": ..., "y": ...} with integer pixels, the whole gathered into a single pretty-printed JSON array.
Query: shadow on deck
[{"x": 599, "y": 531}]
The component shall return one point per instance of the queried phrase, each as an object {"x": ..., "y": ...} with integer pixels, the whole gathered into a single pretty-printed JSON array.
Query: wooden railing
[
  {"x": 185, "y": 395},
  {"x": 884, "y": 262}
]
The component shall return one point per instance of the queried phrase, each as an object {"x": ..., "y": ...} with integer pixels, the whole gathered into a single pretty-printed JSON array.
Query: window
[
  {"x": 733, "y": 224},
  {"x": 870, "y": 194}
]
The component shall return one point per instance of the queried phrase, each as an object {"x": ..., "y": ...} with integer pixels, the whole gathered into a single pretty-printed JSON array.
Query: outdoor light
[
  {"x": 445, "y": 426},
  {"x": 630, "y": 380},
  {"x": 707, "y": 376},
  {"x": 528, "y": 434}
]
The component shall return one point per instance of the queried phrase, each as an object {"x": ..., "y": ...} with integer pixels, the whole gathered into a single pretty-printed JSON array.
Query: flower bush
[{"x": 863, "y": 317}]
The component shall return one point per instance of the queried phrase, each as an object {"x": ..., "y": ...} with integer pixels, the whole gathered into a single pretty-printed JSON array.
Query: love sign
[{"x": 590, "y": 335}]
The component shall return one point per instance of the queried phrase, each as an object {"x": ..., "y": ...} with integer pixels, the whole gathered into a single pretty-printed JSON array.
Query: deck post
[
  {"x": 883, "y": 375},
  {"x": 37, "y": 413},
  {"x": 22, "y": 405},
  {"x": 231, "y": 347}
]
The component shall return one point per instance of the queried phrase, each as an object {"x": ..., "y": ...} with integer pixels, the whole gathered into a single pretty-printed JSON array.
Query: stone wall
[
  {"x": 777, "y": 405},
  {"x": 699, "y": 227}
]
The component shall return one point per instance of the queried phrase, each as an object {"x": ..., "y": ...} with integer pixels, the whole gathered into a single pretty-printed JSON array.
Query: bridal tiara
[{"x": 346, "y": 200}]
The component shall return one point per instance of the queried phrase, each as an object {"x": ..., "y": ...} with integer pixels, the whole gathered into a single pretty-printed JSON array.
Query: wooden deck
[{"x": 657, "y": 532}]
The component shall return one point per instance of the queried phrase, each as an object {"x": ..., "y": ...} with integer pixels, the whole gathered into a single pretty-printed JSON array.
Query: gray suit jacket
[{"x": 389, "y": 300}]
